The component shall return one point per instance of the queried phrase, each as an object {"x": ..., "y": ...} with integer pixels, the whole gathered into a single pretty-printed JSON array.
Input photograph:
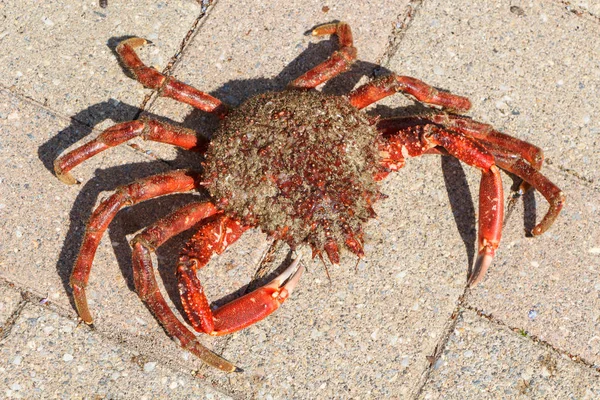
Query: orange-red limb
[
  {"x": 166, "y": 86},
  {"x": 257, "y": 305},
  {"x": 491, "y": 214},
  {"x": 144, "y": 189},
  {"x": 339, "y": 61},
  {"x": 510, "y": 154},
  {"x": 549, "y": 190},
  {"x": 413, "y": 139},
  {"x": 212, "y": 237},
  {"x": 487, "y": 134},
  {"x": 146, "y": 287},
  {"x": 115, "y": 135},
  {"x": 387, "y": 85}
]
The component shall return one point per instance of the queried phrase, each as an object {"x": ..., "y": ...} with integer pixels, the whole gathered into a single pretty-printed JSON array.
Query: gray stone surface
[
  {"x": 49, "y": 356},
  {"x": 549, "y": 285},
  {"x": 533, "y": 74},
  {"x": 485, "y": 360},
  {"x": 370, "y": 331},
  {"x": 62, "y": 55},
  {"x": 553, "y": 108},
  {"x": 42, "y": 221}
]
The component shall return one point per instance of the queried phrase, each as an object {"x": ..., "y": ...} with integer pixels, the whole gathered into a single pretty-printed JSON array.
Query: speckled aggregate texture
[
  {"x": 372, "y": 330},
  {"x": 49, "y": 356},
  {"x": 486, "y": 361},
  {"x": 546, "y": 285},
  {"x": 62, "y": 54}
]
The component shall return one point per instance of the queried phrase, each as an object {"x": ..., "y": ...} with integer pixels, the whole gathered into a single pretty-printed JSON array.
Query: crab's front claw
[{"x": 258, "y": 304}]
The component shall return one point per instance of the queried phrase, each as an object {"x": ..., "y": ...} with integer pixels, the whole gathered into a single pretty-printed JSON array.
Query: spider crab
[{"x": 301, "y": 165}]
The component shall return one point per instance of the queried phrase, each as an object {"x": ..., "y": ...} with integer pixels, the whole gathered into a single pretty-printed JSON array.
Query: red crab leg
[
  {"x": 115, "y": 135},
  {"x": 423, "y": 139},
  {"x": 147, "y": 288},
  {"x": 549, "y": 190},
  {"x": 509, "y": 154},
  {"x": 486, "y": 133},
  {"x": 255, "y": 306},
  {"x": 339, "y": 61},
  {"x": 387, "y": 85},
  {"x": 167, "y": 86},
  {"x": 144, "y": 189},
  {"x": 213, "y": 236}
]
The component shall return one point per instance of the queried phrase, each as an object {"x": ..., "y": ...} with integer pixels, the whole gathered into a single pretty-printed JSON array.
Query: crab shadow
[{"x": 133, "y": 219}]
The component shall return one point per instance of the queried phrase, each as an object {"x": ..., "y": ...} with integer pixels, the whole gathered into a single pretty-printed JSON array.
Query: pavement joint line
[
  {"x": 6, "y": 328},
  {"x": 401, "y": 26},
  {"x": 134, "y": 147},
  {"x": 28, "y": 297},
  {"x": 448, "y": 331},
  {"x": 534, "y": 338},
  {"x": 37, "y": 103}
]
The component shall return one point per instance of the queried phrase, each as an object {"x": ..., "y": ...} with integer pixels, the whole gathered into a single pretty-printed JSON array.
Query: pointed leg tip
[
  {"x": 483, "y": 262},
  {"x": 537, "y": 231},
  {"x": 133, "y": 42},
  {"x": 68, "y": 179},
  {"x": 238, "y": 370},
  {"x": 64, "y": 176}
]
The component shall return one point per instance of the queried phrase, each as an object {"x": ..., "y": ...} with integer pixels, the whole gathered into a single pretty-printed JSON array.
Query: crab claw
[{"x": 258, "y": 304}]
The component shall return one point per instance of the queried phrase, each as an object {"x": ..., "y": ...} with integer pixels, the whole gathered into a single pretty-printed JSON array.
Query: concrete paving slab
[
  {"x": 368, "y": 331},
  {"x": 63, "y": 54},
  {"x": 9, "y": 299},
  {"x": 48, "y": 356},
  {"x": 543, "y": 285},
  {"x": 531, "y": 71},
  {"x": 589, "y": 7},
  {"x": 244, "y": 48},
  {"x": 42, "y": 222},
  {"x": 484, "y": 360},
  {"x": 548, "y": 286}
]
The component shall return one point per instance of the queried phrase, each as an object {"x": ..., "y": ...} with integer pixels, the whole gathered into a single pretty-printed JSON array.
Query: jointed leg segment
[
  {"x": 144, "y": 189},
  {"x": 146, "y": 129},
  {"x": 387, "y": 85},
  {"x": 167, "y": 86},
  {"x": 215, "y": 232},
  {"x": 339, "y": 61},
  {"x": 481, "y": 146},
  {"x": 418, "y": 139},
  {"x": 147, "y": 288}
]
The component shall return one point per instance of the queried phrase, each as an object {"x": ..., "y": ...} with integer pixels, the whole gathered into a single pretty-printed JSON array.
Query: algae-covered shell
[{"x": 299, "y": 164}]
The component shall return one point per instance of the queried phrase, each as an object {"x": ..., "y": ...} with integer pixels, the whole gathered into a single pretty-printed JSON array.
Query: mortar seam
[
  {"x": 401, "y": 26},
  {"x": 450, "y": 326},
  {"x": 29, "y": 297},
  {"x": 533, "y": 338}
]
